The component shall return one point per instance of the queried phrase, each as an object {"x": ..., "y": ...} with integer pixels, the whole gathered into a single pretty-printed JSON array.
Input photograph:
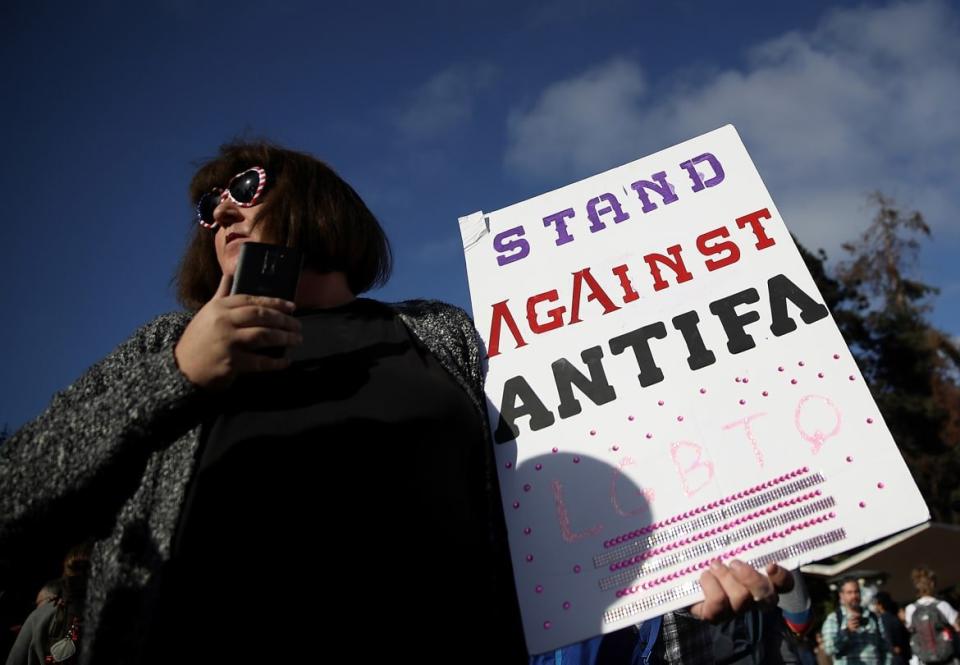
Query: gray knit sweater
[{"x": 113, "y": 453}]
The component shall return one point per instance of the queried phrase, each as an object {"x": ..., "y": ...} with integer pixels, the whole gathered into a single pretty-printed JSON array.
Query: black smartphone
[{"x": 268, "y": 270}]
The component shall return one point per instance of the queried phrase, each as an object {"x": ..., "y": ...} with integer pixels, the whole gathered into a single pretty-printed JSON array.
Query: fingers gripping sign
[{"x": 734, "y": 589}]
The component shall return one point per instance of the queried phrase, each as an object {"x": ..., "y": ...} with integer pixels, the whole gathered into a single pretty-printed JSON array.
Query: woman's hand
[
  {"x": 222, "y": 340},
  {"x": 732, "y": 590}
]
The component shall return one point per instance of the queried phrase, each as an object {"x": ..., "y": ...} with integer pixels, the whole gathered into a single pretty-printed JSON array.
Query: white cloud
[
  {"x": 579, "y": 122},
  {"x": 869, "y": 99},
  {"x": 444, "y": 102}
]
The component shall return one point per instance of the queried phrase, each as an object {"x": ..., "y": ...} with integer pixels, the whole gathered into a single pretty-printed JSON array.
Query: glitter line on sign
[
  {"x": 716, "y": 530},
  {"x": 651, "y": 602},
  {"x": 785, "y": 553},
  {"x": 729, "y": 554},
  {"x": 704, "y": 508},
  {"x": 633, "y": 570},
  {"x": 656, "y": 600},
  {"x": 635, "y": 542},
  {"x": 778, "y": 493}
]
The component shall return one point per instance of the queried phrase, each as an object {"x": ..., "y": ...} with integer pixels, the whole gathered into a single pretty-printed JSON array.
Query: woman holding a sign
[
  {"x": 248, "y": 504},
  {"x": 244, "y": 503}
]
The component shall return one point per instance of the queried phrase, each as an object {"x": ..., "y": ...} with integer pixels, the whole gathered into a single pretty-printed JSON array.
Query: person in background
[
  {"x": 52, "y": 630},
  {"x": 852, "y": 634},
  {"x": 931, "y": 622},
  {"x": 796, "y": 617},
  {"x": 52, "y": 590},
  {"x": 898, "y": 639},
  {"x": 823, "y": 658}
]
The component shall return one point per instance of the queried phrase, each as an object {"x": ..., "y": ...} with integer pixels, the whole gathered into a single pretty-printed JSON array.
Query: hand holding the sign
[{"x": 731, "y": 590}]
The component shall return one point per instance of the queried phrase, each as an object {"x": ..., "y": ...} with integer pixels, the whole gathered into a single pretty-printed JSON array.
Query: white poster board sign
[{"x": 666, "y": 388}]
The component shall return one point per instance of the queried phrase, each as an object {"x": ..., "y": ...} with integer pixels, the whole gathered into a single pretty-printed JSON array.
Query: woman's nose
[{"x": 226, "y": 213}]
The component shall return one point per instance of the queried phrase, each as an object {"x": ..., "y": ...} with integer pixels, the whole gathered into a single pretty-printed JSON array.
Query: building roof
[{"x": 934, "y": 545}]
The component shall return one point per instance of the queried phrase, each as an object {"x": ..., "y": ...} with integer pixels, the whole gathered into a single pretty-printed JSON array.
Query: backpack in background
[{"x": 932, "y": 638}]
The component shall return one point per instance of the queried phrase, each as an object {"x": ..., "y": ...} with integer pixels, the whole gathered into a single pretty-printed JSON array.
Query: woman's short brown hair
[{"x": 307, "y": 205}]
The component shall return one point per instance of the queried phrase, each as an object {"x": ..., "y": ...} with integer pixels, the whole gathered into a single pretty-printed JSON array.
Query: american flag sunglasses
[{"x": 244, "y": 189}]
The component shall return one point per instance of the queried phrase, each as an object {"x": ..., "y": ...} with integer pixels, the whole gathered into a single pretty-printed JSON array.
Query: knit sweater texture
[{"x": 113, "y": 454}]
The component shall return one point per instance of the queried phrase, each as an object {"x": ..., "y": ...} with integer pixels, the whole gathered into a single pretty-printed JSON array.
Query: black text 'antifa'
[{"x": 519, "y": 398}]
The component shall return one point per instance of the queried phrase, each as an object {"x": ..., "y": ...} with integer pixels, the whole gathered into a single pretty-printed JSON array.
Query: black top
[
  {"x": 342, "y": 495},
  {"x": 897, "y": 637}
]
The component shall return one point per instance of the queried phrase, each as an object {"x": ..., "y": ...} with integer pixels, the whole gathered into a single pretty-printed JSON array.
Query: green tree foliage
[{"x": 911, "y": 366}]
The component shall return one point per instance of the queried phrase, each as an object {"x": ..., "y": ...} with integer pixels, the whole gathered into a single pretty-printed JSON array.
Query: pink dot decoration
[
  {"x": 538, "y": 467},
  {"x": 556, "y": 450},
  {"x": 793, "y": 381},
  {"x": 630, "y": 418},
  {"x": 863, "y": 504},
  {"x": 746, "y": 380},
  {"x": 780, "y": 369},
  {"x": 836, "y": 356},
  {"x": 508, "y": 465},
  {"x": 679, "y": 419},
  {"x": 737, "y": 379},
  {"x": 616, "y": 448},
  {"x": 880, "y": 486},
  {"x": 577, "y": 568},
  {"x": 819, "y": 375},
  {"x": 529, "y": 558},
  {"x": 849, "y": 458},
  {"x": 743, "y": 401},
  {"x": 546, "y": 625},
  {"x": 660, "y": 403},
  {"x": 539, "y": 588},
  {"x": 566, "y": 604},
  {"x": 593, "y": 432},
  {"x": 869, "y": 421},
  {"x": 649, "y": 435},
  {"x": 516, "y": 504},
  {"x": 527, "y": 488},
  {"x": 851, "y": 377},
  {"x": 576, "y": 460},
  {"x": 800, "y": 363},
  {"x": 703, "y": 391},
  {"x": 765, "y": 393}
]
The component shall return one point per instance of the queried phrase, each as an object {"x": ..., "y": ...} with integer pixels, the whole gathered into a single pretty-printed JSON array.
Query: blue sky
[{"x": 433, "y": 110}]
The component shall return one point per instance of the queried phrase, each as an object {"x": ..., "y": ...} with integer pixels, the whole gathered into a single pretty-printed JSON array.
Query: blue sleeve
[
  {"x": 587, "y": 652},
  {"x": 580, "y": 653}
]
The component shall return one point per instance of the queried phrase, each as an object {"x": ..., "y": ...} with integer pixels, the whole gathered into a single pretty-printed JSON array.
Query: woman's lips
[{"x": 235, "y": 236}]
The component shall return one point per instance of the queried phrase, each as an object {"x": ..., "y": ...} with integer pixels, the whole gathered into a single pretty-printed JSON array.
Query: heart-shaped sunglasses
[{"x": 244, "y": 189}]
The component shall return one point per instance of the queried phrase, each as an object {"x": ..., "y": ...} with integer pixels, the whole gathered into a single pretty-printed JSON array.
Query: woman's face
[{"x": 235, "y": 227}]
